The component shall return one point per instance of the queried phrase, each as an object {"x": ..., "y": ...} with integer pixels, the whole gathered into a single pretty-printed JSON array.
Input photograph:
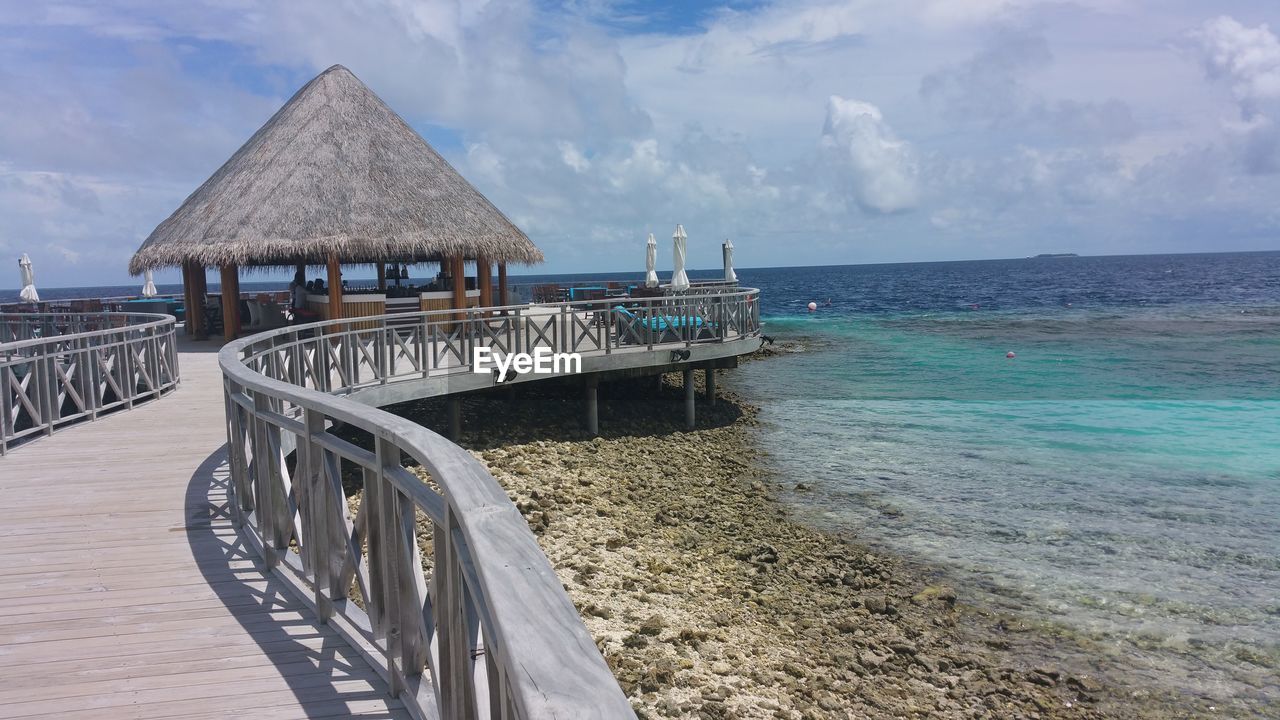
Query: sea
[{"x": 1090, "y": 444}]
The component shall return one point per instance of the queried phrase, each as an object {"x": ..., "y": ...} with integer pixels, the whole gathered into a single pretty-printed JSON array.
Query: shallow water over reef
[{"x": 1118, "y": 478}]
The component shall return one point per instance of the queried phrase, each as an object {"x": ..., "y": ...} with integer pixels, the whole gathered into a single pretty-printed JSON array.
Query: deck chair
[{"x": 633, "y": 329}]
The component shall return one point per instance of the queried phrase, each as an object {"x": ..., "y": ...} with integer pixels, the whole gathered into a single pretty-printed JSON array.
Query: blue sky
[{"x": 809, "y": 132}]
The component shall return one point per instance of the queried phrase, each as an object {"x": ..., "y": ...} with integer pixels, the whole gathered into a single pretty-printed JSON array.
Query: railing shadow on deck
[{"x": 253, "y": 595}]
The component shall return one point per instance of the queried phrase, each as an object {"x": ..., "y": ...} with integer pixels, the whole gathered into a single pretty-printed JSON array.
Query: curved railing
[
  {"x": 474, "y": 623},
  {"x": 60, "y": 368}
]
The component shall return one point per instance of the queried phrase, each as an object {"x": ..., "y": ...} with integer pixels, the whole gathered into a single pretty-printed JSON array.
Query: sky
[{"x": 807, "y": 132}]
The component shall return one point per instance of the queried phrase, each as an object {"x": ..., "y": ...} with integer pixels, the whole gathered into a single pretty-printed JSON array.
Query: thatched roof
[{"x": 334, "y": 170}]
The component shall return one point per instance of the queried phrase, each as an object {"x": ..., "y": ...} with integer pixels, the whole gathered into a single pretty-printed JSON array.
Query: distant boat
[{"x": 1054, "y": 255}]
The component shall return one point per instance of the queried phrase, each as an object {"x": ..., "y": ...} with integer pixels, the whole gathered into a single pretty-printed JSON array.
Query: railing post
[
  {"x": 649, "y": 322},
  {"x": 152, "y": 355},
  {"x": 238, "y": 484},
  {"x": 454, "y": 626},
  {"x": 317, "y": 522},
  {"x": 125, "y": 364},
  {"x": 6, "y": 410},
  {"x": 563, "y": 340},
  {"x": 47, "y": 397},
  {"x": 93, "y": 377},
  {"x": 347, "y": 356},
  {"x": 264, "y": 484},
  {"x": 390, "y": 560},
  {"x": 384, "y": 351}
]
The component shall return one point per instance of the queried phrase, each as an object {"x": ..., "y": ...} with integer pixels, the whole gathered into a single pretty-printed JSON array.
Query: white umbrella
[
  {"x": 651, "y": 262},
  {"x": 28, "y": 293},
  {"x": 679, "y": 280},
  {"x": 729, "y": 274},
  {"x": 149, "y": 287}
]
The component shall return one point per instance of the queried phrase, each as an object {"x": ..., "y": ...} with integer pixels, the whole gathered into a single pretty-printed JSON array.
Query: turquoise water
[{"x": 1119, "y": 477}]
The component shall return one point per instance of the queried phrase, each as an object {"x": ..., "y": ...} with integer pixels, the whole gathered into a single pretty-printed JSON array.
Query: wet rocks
[{"x": 705, "y": 596}]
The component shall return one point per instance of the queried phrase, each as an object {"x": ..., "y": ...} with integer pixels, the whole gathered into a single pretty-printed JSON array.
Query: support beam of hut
[
  {"x": 200, "y": 287},
  {"x": 188, "y": 295},
  {"x": 230, "y": 302},
  {"x": 457, "y": 269},
  {"x": 710, "y": 385},
  {"x": 335, "y": 288},
  {"x": 382, "y": 277},
  {"x": 502, "y": 283},
  {"x": 484, "y": 281}
]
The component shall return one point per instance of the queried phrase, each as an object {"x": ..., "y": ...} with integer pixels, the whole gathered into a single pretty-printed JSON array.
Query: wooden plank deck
[{"x": 127, "y": 593}]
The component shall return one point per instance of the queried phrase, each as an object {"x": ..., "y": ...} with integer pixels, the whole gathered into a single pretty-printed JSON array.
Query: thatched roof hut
[{"x": 334, "y": 173}]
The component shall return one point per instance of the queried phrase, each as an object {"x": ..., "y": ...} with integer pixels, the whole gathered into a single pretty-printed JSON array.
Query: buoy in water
[
  {"x": 813, "y": 306},
  {"x": 1011, "y": 355}
]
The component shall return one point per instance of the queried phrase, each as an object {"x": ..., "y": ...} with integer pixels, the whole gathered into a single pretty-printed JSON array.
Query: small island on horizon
[{"x": 1054, "y": 255}]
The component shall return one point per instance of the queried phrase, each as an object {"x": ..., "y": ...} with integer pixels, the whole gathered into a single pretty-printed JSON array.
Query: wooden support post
[
  {"x": 710, "y": 382},
  {"x": 453, "y": 406},
  {"x": 484, "y": 281},
  {"x": 230, "y": 303},
  {"x": 188, "y": 293},
  {"x": 458, "y": 275},
  {"x": 593, "y": 407},
  {"x": 502, "y": 283},
  {"x": 335, "y": 288},
  {"x": 200, "y": 286},
  {"x": 382, "y": 277},
  {"x": 690, "y": 419}
]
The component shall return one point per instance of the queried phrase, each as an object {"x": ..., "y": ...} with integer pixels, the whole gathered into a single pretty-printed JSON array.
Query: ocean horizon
[{"x": 48, "y": 293}]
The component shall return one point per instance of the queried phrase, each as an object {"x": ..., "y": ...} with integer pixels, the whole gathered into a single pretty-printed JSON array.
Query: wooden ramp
[{"x": 128, "y": 594}]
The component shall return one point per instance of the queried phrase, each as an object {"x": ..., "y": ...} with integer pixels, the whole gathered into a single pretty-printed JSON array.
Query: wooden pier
[
  {"x": 195, "y": 555},
  {"x": 129, "y": 594}
]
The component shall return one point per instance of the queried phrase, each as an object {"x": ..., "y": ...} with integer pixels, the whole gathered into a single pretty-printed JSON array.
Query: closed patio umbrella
[
  {"x": 149, "y": 287},
  {"x": 729, "y": 274},
  {"x": 28, "y": 293},
  {"x": 679, "y": 280},
  {"x": 651, "y": 262}
]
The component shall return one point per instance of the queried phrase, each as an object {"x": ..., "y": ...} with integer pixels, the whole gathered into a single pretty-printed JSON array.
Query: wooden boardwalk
[{"x": 127, "y": 593}]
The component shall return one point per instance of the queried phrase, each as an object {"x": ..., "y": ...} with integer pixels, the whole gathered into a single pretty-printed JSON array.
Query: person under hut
[{"x": 299, "y": 287}]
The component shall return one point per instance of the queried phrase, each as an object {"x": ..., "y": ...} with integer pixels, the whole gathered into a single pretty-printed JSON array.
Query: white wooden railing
[
  {"x": 60, "y": 368},
  {"x": 473, "y": 621}
]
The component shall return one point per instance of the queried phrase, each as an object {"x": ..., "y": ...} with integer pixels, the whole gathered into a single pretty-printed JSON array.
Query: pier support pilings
[
  {"x": 690, "y": 418},
  {"x": 709, "y": 380},
  {"x": 453, "y": 408},
  {"x": 591, "y": 386}
]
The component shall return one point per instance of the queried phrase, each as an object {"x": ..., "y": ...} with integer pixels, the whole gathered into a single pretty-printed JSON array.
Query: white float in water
[{"x": 813, "y": 306}]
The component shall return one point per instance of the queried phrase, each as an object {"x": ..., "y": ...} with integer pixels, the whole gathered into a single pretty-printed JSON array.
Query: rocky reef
[{"x": 710, "y": 600}]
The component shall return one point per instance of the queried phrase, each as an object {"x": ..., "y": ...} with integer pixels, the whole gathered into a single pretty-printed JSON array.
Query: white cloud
[
  {"x": 573, "y": 157},
  {"x": 992, "y": 91},
  {"x": 1248, "y": 59},
  {"x": 864, "y": 150},
  {"x": 486, "y": 165}
]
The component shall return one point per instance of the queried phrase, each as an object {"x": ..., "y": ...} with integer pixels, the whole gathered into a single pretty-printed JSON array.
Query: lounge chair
[{"x": 632, "y": 328}]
